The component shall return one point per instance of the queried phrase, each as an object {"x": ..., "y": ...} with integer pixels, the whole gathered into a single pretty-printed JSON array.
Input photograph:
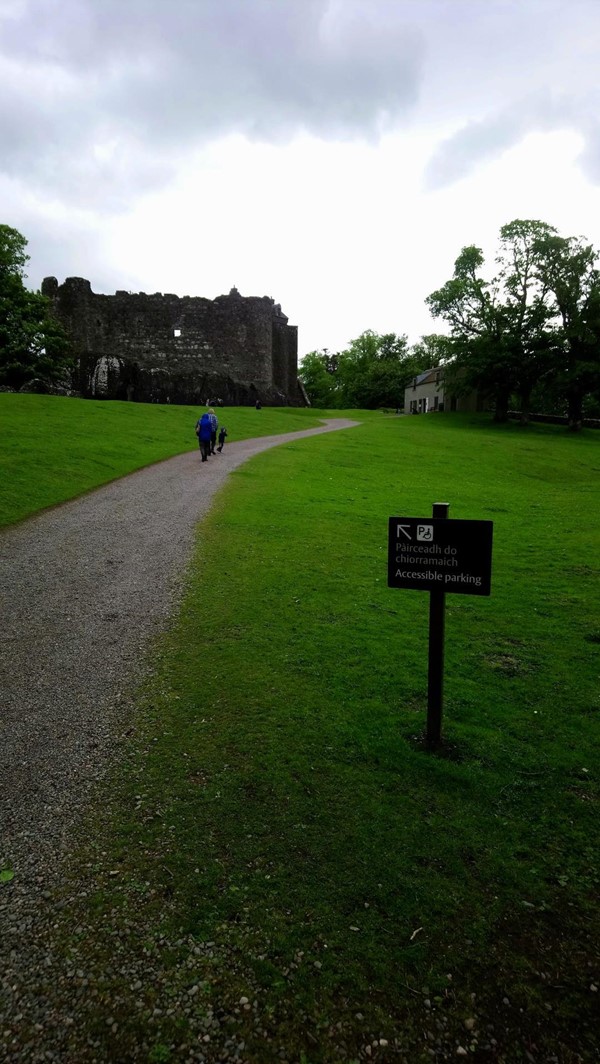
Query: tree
[
  {"x": 317, "y": 373},
  {"x": 13, "y": 257},
  {"x": 527, "y": 309},
  {"x": 500, "y": 329},
  {"x": 534, "y": 329},
  {"x": 374, "y": 370},
  {"x": 433, "y": 350},
  {"x": 566, "y": 267},
  {"x": 32, "y": 343},
  {"x": 469, "y": 305}
]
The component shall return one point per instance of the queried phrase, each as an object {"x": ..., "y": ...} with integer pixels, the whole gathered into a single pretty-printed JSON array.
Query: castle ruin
[{"x": 166, "y": 348}]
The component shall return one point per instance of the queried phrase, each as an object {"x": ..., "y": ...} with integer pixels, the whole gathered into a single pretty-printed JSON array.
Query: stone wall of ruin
[{"x": 159, "y": 348}]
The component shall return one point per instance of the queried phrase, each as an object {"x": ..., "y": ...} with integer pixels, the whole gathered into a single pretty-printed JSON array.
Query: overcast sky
[{"x": 333, "y": 154}]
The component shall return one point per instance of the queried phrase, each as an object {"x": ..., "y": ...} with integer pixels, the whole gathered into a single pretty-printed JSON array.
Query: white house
[{"x": 427, "y": 393}]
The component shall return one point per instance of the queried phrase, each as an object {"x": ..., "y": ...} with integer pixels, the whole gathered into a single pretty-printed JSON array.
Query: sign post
[
  {"x": 435, "y": 674},
  {"x": 439, "y": 555}
]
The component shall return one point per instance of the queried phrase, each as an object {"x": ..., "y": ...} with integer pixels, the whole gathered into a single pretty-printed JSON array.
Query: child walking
[{"x": 222, "y": 434}]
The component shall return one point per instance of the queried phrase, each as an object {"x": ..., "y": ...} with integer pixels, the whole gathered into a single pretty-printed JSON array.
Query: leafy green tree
[
  {"x": 533, "y": 330},
  {"x": 566, "y": 268},
  {"x": 527, "y": 309},
  {"x": 13, "y": 257},
  {"x": 469, "y": 305},
  {"x": 317, "y": 373},
  {"x": 433, "y": 350},
  {"x": 500, "y": 329},
  {"x": 374, "y": 370},
  {"x": 32, "y": 343}
]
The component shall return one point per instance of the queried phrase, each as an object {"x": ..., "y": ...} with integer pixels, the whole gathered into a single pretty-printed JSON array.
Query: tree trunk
[
  {"x": 575, "y": 414},
  {"x": 525, "y": 405},
  {"x": 501, "y": 409}
]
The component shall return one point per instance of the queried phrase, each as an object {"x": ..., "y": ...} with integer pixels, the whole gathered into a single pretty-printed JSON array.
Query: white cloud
[{"x": 156, "y": 78}]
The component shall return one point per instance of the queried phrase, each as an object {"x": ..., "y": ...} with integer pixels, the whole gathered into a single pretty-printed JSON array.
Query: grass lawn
[
  {"x": 54, "y": 448},
  {"x": 278, "y": 848}
]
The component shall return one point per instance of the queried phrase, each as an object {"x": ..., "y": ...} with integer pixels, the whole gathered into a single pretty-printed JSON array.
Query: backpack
[{"x": 205, "y": 426}]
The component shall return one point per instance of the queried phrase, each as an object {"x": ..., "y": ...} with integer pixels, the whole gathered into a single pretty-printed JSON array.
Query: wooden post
[{"x": 435, "y": 684}]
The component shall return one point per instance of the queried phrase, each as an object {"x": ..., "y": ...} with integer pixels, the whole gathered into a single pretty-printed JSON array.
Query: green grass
[
  {"x": 277, "y": 800},
  {"x": 54, "y": 448}
]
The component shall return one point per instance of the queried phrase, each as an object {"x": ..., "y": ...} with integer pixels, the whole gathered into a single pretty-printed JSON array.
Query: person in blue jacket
[
  {"x": 214, "y": 424},
  {"x": 204, "y": 434}
]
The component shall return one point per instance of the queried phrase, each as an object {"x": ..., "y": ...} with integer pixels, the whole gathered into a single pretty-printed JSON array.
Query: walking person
[
  {"x": 214, "y": 424},
  {"x": 204, "y": 432},
  {"x": 222, "y": 434}
]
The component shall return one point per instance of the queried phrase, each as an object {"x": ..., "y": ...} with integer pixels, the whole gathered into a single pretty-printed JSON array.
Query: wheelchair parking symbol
[{"x": 425, "y": 533}]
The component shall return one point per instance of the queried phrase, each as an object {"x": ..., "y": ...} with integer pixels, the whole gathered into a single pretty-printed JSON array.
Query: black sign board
[{"x": 429, "y": 554}]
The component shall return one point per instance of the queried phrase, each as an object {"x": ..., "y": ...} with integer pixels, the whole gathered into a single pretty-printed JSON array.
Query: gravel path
[{"x": 84, "y": 587}]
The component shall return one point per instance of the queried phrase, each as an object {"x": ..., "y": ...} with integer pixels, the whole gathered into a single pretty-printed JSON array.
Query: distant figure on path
[
  {"x": 214, "y": 424},
  {"x": 204, "y": 432},
  {"x": 222, "y": 435}
]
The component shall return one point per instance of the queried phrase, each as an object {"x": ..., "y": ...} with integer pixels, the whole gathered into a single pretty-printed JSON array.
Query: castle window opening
[{"x": 176, "y": 332}]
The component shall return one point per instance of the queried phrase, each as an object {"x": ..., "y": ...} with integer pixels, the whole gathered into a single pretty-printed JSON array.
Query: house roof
[{"x": 430, "y": 376}]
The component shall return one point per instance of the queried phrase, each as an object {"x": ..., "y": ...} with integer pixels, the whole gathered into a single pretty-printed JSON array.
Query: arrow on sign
[{"x": 404, "y": 529}]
